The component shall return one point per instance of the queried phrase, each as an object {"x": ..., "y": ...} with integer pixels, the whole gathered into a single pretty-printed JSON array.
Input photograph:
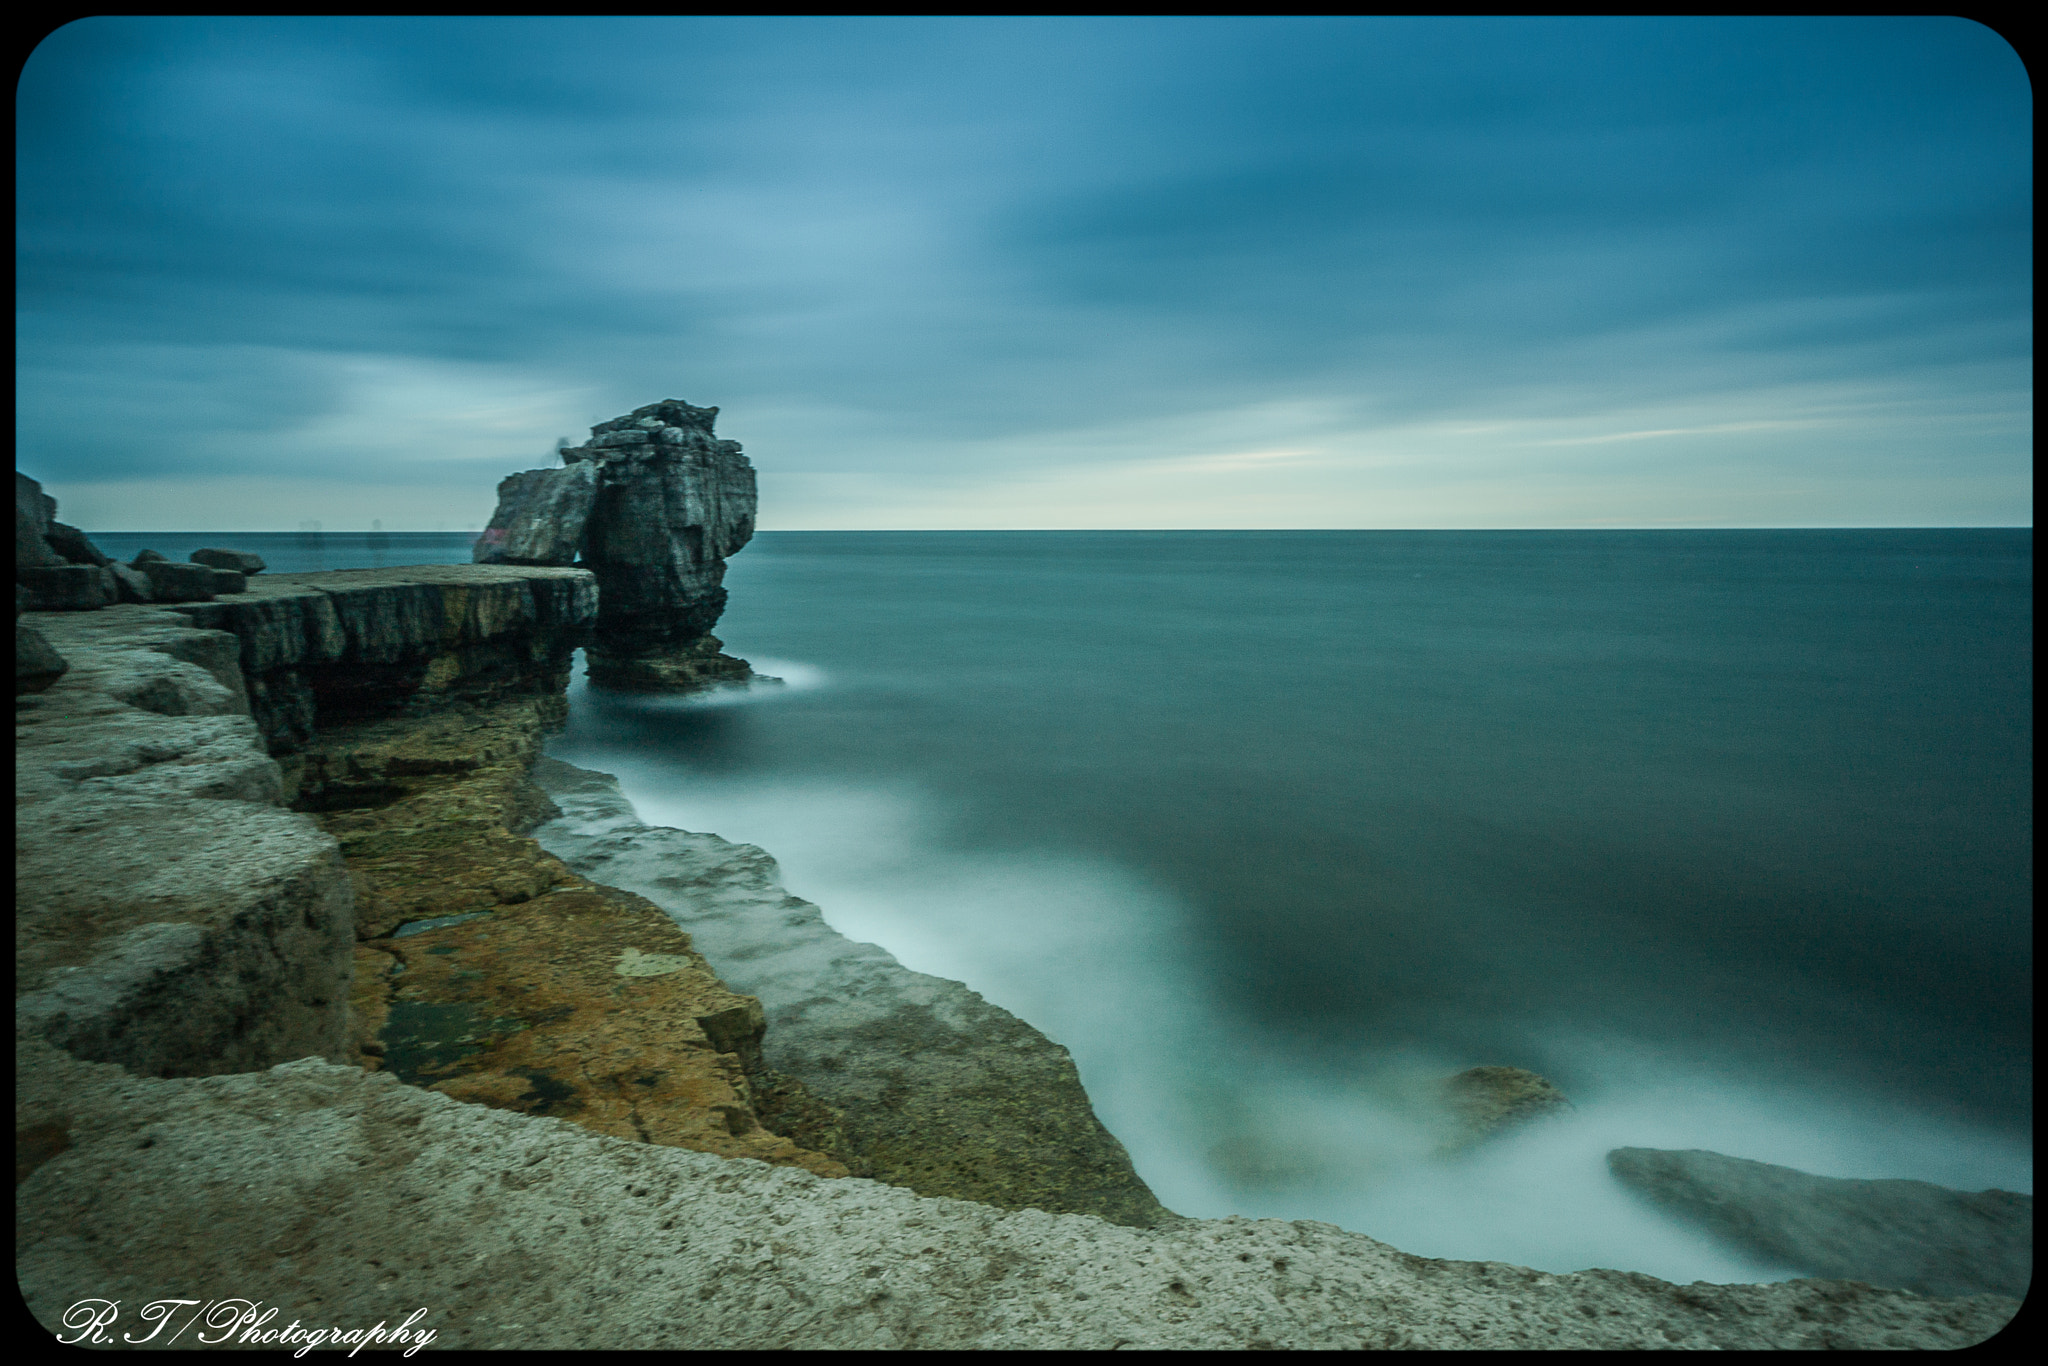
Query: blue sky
[{"x": 1046, "y": 272}]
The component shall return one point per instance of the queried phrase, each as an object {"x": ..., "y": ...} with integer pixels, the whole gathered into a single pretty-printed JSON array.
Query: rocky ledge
[{"x": 219, "y": 996}]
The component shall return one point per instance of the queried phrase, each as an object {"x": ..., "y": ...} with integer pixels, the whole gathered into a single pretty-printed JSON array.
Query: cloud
[{"x": 901, "y": 250}]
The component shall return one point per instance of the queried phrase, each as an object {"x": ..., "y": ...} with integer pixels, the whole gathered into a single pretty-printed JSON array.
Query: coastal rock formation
[
  {"x": 169, "y": 915},
  {"x": 348, "y": 1199},
  {"x": 487, "y": 970},
  {"x": 653, "y": 505},
  {"x": 1909, "y": 1235},
  {"x": 350, "y": 645},
  {"x": 1484, "y": 1101},
  {"x": 174, "y": 918},
  {"x": 933, "y": 1087}
]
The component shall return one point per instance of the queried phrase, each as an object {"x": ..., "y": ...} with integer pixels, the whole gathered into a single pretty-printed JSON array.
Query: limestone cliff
[{"x": 653, "y": 505}]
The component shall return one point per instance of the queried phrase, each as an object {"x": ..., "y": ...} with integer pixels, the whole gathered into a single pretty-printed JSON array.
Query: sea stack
[{"x": 653, "y": 504}]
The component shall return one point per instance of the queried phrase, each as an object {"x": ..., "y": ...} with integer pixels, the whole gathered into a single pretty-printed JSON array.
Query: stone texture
[
  {"x": 241, "y": 561},
  {"x": 36, "y": 663},
  {"x": 34, "y": 512},
  {"x": 491, "y": 972},
  {"x": 230, "y": 581},
  {"x": 67, "y": 587},
  {"x": 541, "y": 517},
  {"x": 345, "y": 646},
  {"x": 173, "y": 582},
  {"x": 131, "y": 583},
  {"x": 338, "y": 1196},
  {"x": 931, "y": 1086},
  {"x": 73, "y": 545},
  {"x": 1483, "y": 1101},
  {"x": 169, "y": 916},
  {"x": 1909, "y": 1235},
  {"x": 668, "y": 502}
]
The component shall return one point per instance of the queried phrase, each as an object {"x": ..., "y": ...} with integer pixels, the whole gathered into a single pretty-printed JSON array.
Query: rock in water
[
  {"x": 1484, "y": 1101},
  {"x": 1903, "y": 1235},
  {"x": 652, "y": 504}
]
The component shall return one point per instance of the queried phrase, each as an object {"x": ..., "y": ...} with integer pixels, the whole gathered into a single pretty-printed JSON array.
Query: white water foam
[{"x": 1223, "y": 1119}]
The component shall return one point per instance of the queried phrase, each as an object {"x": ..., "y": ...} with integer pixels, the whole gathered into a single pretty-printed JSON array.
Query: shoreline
[{"x": 432, "y": 1171}]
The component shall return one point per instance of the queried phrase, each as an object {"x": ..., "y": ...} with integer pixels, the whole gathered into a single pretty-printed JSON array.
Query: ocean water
[
  {"x": 1727, "y": 833},
  {"x": 299, "y": 552}
]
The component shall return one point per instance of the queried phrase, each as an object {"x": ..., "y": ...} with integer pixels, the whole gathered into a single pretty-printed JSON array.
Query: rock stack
[{"x": 653, "y": 504}]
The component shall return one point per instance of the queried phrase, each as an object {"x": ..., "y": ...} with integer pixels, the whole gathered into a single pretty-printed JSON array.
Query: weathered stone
[
  {"x": 348, "y": 1199},
  {"x": 241, "y": 560},
  {"x": 353, "y": 644},
  {"x": 143, "y": 557},
  {"x": 230, "y": 581},
  {"x": 34, "y": 511},
  {"x": 131, "y": 583},
  {"x": 169, "y": 915},
  {"x": 669, "y": 503},
  {"x": 934, "y": 1088},
  {"x": 67, "y": 587},
  {"x": 36, "y": 664},
  {"x": 1908, "y": 1235},
  {"x": 73, "y": 545},
  {"x": 173, "y": 582},
  {"x": 540, "y": 518},
  {"x": 1484, "y": 1101}
]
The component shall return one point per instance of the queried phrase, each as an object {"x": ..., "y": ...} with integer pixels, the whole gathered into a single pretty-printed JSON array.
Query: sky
[{"x": 1035, "y": 272}]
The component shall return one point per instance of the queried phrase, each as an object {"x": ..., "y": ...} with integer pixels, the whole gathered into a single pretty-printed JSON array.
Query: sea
[{"x": 1726, "y": 833}]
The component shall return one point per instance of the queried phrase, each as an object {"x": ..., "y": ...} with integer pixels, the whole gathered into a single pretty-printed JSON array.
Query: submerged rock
[
  {"x": 1484, "y": 1101},
  {"x": 653, "y": 505},
  {"x": 1907, "y": 1235}
]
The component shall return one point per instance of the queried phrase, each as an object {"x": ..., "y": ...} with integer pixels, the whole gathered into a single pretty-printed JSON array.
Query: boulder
[
  {"x": 541, "y": 517},
  {"x": 131, "y": 583},
  {"x": 72, "y": 545},
  {"x": 67, "y": 587},
  {"x": 143, "y": 557},
  {"x": 1903, "y": 1235},
  {"x": 653, "y": 503},
  {"x": 36, "y": 663},
  {"x": 1484, "y": 1101},
  {"x": 173, "y": 582},
  {"x": 239, "y": 560},
  {"x": 230, "y": 581},
  {"x": 34, "y": 510}
]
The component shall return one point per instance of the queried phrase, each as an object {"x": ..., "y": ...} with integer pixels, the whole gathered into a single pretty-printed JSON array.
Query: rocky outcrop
[
  {"x": 347, "y": 1199},
  {"x": 486, "y": 970},
  {"x": 337, "y": 648},
  {"x": 653, "y": 505},
  {"x": 170, "y": 916},
  {"x": 932, "y": 1087},
  {"x": 1481, "y": 1102},
  {"x": 1910, "y": 1235}
]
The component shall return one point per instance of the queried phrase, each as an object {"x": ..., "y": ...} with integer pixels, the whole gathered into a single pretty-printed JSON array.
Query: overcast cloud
[{"x": 1036, "y": 272}]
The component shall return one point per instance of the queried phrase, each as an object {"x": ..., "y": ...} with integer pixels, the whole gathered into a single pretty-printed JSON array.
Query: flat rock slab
[
  {"x": 1907, "y": 1234},
  {"x": 339, "y": 1196},
  {"x": 936, "y": 1089}
]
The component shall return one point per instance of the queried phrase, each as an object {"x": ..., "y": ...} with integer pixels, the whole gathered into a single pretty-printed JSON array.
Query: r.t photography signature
[{"x": 241, "y": 1322}]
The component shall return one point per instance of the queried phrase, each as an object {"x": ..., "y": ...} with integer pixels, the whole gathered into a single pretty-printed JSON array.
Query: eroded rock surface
[
  {"x": 335, "y": 648},
  {"x": 1911, "y": 1235},
  {"x": 170, "y": 916},
  {"x": 487, "y": 970},
  {"x": 653, "y": 504},
  {"x": 341, "y": 1196},
  {"x": 934, "y": 1088}
]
